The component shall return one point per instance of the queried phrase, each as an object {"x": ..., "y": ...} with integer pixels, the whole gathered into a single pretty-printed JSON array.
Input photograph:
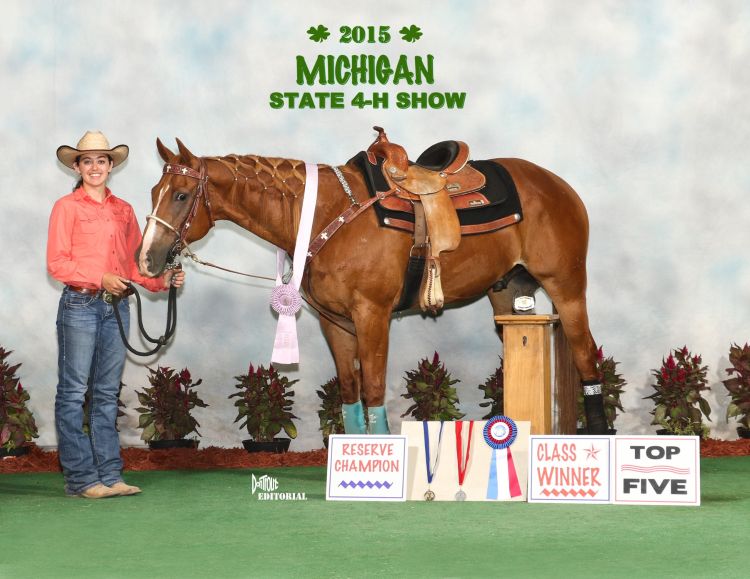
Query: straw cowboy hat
[{"x": 92, "y": 142}]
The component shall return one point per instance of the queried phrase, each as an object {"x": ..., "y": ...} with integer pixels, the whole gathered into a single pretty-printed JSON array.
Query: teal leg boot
[
  {"x": 378, "y": 420},
  {"x": 354, "y": 418}
]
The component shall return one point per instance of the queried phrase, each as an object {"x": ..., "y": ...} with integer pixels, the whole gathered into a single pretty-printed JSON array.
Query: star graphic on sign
[{"x": 592, "y": 452}]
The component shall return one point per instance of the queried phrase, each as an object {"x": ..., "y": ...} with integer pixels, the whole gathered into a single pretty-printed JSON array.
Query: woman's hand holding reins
[
  {"x": 114, "y": 284},
  {"x": 174, "y": 277}
]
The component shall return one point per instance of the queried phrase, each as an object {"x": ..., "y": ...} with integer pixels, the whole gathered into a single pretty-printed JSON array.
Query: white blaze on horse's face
[{"x": 149, "y": 237}]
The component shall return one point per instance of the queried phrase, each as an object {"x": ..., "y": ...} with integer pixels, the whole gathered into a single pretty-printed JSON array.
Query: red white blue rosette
[{"x": 499, "y": 433}]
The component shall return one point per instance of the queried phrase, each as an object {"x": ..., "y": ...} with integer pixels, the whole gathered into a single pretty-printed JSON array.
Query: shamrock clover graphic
[
  {"x": 411, "y": 34},
  {"x": 318, "y": 33}
]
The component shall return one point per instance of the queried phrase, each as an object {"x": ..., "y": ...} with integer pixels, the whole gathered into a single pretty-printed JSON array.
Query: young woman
[{"x": 92, "y": 240}]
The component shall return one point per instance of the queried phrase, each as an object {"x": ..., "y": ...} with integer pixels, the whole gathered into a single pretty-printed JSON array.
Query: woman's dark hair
[{"x": 79, "y": 183}]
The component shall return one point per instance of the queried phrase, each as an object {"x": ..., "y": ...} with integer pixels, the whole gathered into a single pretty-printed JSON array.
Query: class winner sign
[
  {"x": 366, "y": 468},
  {"x": 569, "y": 469}
]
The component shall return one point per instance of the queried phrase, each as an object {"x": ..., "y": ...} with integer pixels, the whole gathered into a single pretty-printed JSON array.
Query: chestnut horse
[{"x": 356, "y": 279}]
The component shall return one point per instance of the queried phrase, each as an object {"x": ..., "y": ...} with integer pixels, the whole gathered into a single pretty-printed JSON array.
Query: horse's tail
[{"x": 567, "y": 384}]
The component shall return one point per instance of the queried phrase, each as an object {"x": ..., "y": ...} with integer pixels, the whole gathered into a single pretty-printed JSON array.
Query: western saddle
[{"x": 425, "y": 187}]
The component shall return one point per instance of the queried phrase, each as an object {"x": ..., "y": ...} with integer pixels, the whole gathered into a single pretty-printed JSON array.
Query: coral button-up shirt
[{"x": 88, "y": 239}]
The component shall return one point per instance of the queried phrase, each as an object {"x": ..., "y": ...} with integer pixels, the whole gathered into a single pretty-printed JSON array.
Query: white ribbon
[{"x": 285, "y": 346}]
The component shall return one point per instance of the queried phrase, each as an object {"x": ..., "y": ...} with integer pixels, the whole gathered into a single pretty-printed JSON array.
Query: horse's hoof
[
  {"x": 596, "y": 421},
  {"x": 596, "y": 426}
]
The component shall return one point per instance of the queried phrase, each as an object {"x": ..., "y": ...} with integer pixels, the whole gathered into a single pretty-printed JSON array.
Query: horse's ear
[
  {"x": 164, "y": 152},
  {"x": 186, "y": 154}
]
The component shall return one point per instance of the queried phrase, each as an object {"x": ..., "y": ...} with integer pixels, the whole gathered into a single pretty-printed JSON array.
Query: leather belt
[
  {"x": 97, "y": 293},
  {"x": 85, "y": 290}
]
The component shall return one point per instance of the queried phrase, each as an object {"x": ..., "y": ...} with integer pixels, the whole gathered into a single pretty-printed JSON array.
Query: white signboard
[
  {"x": 366, "y": 468},
  {"x": 483, "y": 473},
  {"x": 569, "y": 469},
  {"x": 657, "y": 470}
]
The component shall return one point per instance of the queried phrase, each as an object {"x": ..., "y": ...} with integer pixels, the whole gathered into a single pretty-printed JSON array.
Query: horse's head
[{"x": 181, "y": 210}]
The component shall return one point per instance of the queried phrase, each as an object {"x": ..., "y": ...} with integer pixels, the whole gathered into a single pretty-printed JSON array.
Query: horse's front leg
[
  {"x": 344, "y": 349},
  {"x": 372, "y": 324}
]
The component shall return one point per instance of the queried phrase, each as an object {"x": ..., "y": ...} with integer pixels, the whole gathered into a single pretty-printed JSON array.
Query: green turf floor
[{"x": 208, "y": 524}]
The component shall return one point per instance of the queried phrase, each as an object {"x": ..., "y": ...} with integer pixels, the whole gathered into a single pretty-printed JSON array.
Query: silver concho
[{"x": 523, "y": 303}]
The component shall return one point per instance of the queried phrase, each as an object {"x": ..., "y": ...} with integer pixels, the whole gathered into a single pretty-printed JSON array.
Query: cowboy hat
[{"x": 92, "y": 142}]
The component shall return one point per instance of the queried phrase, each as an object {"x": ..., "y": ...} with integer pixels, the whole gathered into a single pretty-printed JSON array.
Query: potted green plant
[
  {"x": 430, "y": 387},
  {"x": 87, "y": 408},
  {"x": 612, "y": 388},
  {"x": 17, "y": 425},
  {"x": 331, "y": 418},
  {"x": 738, "y": 385},
  {"x": 264, "y": 404},
  {"x": 493, "y": 389},
  {"x": 165, "y": 411},
  {"x": 678, "y": 403}
]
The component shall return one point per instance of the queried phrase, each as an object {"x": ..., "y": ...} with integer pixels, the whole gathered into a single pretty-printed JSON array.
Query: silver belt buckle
[{"x": 107, "y": 297}]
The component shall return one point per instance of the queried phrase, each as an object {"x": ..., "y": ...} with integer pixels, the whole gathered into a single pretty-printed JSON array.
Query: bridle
[
  {"x": 180, "y": 244},
  {"x": 202, "y": 193}
]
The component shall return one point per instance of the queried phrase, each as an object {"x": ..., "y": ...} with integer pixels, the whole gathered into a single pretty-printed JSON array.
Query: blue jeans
[{"x": 90, "y": 351}]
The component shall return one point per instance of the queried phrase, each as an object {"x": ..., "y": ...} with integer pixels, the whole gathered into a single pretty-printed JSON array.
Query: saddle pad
[{"x": 499, "y": 189}]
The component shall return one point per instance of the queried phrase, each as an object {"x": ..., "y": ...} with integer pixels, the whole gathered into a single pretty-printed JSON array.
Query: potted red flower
[
  {"x": 330, "y": 415},
  {"x": 494, "y": 389},
  {"x": 264, "y": 404},
  {"x": 738, "y": 386},
  {"x": 17, "y": 425},
  {"x": 165, "y": 414},
  {"x": 678, "y": 403},
  {"x": 430, "y": 387}
]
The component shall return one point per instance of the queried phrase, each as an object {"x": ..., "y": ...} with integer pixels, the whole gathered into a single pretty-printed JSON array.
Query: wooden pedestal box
[{"x": 529, "y": 393}]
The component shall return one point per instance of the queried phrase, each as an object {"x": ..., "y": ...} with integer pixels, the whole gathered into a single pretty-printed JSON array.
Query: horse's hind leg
[
  {"x": 344, "y": 349},
  {"x": 569, "y": 298}
]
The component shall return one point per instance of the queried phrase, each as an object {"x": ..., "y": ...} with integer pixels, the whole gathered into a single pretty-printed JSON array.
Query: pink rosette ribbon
[{"x": 286, "y": 300}]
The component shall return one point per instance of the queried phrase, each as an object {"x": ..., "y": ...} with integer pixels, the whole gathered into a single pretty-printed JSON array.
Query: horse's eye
[{"x": 180, "y": 196}]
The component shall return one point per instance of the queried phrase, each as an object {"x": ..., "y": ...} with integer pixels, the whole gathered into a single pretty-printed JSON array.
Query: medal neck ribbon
[
  {"x": 463, "y": 463},
  {"x": 431, "y": 469}
]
